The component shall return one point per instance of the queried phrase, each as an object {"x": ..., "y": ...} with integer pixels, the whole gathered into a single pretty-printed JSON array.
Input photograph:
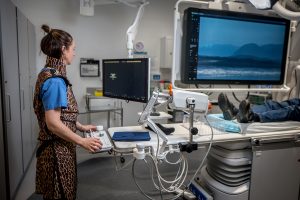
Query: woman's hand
[
  {"x": 91, "y": 144},
  {"x": 85, "y": 128}
]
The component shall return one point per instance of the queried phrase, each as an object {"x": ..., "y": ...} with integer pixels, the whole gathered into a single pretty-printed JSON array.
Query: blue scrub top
[{"x": 54, "y": 93}]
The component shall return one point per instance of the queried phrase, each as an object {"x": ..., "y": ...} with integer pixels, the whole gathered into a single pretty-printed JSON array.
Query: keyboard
[{"x": 103, "y": 137}]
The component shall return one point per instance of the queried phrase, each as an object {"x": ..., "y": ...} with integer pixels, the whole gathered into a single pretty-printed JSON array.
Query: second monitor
[
  {"x": 225, "y": 47},
  {"x": 127, "y": 79}
]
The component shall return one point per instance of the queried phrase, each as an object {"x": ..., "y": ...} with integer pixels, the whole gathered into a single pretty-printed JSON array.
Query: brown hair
[{"x": 54, "y": 40}]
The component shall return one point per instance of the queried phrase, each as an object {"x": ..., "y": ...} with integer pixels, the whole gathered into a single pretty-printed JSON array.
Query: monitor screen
[
  {"x": 225, "y": 47},
  {"x": 126, "y": 79}
]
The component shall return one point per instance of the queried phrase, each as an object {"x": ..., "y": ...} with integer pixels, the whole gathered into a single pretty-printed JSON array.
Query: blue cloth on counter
[
  {"x": 217, "y": 121},
  {"x": 128, "y": 136}
]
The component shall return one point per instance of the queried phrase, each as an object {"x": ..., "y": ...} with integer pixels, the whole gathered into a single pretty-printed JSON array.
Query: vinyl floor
[{"x": 105, "y": 177}]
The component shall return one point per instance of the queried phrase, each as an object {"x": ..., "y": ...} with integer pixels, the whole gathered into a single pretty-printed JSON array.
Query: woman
[{"x": 56, "y": 110}]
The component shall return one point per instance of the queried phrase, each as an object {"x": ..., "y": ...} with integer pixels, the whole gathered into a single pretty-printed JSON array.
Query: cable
[
  {"x": 175, "y": 197},
  {"x": 202, "y": 162},
  {"x": 152, "y": 178},
  {"x": 157, "y": 142},
  {"x": 180, "y": 177},
  {"x": 138, "y": 186},
  {"x": 233, "y": 94},
  {"x": 134, "y": 179},
  {"x": 176, "y": 183},
  {"x": 176, "y": 179},
  {"x": 172, "y": 163},
  {"x": 207, "y": 93},
  {"x": 296, "y": 84}
]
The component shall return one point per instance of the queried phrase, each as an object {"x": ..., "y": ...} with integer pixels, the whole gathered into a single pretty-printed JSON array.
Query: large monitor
[
  {"x": 127, "y": 79},
  {"x": 225, "y": 47}
]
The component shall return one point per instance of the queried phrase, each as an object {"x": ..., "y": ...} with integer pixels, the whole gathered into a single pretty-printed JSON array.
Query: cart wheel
[
  {"x": 122, "y": 159},
  {"x": 110, "y": 151}
]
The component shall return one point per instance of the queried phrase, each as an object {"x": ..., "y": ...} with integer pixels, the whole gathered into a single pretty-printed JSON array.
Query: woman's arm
[
  {"x": 56, "y": 126},
  {"x": 83, "y": 128}
]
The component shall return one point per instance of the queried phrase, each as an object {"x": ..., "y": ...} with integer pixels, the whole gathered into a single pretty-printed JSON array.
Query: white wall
[{"x": 101, "y": 36}]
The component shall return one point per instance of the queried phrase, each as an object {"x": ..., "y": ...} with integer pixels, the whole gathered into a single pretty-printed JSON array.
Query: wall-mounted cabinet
[
  {"x": 27, "y": 71},
  {"x": 17, "y": 69}
]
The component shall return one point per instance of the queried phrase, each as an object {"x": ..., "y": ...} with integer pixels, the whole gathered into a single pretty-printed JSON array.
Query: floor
[{"x": 100, "y": 177}]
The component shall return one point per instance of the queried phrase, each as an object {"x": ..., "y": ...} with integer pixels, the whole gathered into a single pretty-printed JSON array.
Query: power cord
[
  {"x": 295, "y": 86},
  {"x": 202, "y": 162},
  {"x": 233, "y": 94}
]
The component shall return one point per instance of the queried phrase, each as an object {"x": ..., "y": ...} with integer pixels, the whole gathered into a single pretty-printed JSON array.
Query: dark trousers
[{"x": 273, "y": 111}]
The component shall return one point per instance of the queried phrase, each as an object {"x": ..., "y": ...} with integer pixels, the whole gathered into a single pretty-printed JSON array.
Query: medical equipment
[
  {"x": 181, "y": 100},
  {"x": 184, "y": 100},
  {"x": 297, "y": 73},
  {"x": 227, "y": 171},
  {"x": 277, "y": 7},
  {"x": 199, "y": 191},
  {"x": 259, "y": 4},
  {"x": 230, "y": 5},
  {"x": 132, "y": 30},
  {"x": 274, "y": 135},
  {"x": 211, "y": 56},
  {"x": 145, "y": 117},
  {"x": 223, "y": 192},
  {"x": 103, "y": 137},
  {"x": 127, "y": 79},
  {"x": 87, "y": 9}
]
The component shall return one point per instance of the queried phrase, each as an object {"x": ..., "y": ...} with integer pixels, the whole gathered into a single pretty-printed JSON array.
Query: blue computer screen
[{"x": 229, "y": 47}]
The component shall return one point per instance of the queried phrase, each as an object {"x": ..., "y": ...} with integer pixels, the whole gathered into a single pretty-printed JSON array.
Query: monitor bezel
[
  {"x": 147, "y": 81},
  {"x": 187, "y": 31}
]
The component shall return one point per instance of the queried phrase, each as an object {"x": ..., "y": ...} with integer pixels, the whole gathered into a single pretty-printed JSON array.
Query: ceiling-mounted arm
[
  {"x": 263, "y": 4},
  {"x": 132, "y": 30},
  {"x": 277, "y": 7},
  {"x": 285, "y": 13}
]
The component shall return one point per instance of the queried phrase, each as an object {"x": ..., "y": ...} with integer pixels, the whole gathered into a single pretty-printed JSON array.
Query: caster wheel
[
  {"x": 110, "y": 151},
  {"x": 122, "y": 159}
]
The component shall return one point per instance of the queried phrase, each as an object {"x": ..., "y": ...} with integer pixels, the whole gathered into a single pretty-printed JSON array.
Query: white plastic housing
[{"x": 180, "y": 100}]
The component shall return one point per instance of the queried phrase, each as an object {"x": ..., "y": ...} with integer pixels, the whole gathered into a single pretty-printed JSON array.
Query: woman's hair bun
[{"x": 46, "y": 28}]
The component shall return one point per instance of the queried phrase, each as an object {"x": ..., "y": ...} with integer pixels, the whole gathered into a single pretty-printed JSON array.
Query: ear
[{"x": 63, "y": 49}]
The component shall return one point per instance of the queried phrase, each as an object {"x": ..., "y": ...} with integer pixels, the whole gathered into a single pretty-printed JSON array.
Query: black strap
[
  {"x": 61, "y": 189},
  {"x": 55, "y": 74},
  {"x": 43, "y": 146}
]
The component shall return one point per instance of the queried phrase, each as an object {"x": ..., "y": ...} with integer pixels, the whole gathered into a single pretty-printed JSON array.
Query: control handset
[{"x": 103, "y": 137}]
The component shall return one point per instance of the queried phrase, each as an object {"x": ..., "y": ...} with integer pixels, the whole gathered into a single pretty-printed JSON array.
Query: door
[
  {"x": 3, "y": 182},
  {"x": 25, "y": 61},
  {"x": 11, "y": 91}
]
